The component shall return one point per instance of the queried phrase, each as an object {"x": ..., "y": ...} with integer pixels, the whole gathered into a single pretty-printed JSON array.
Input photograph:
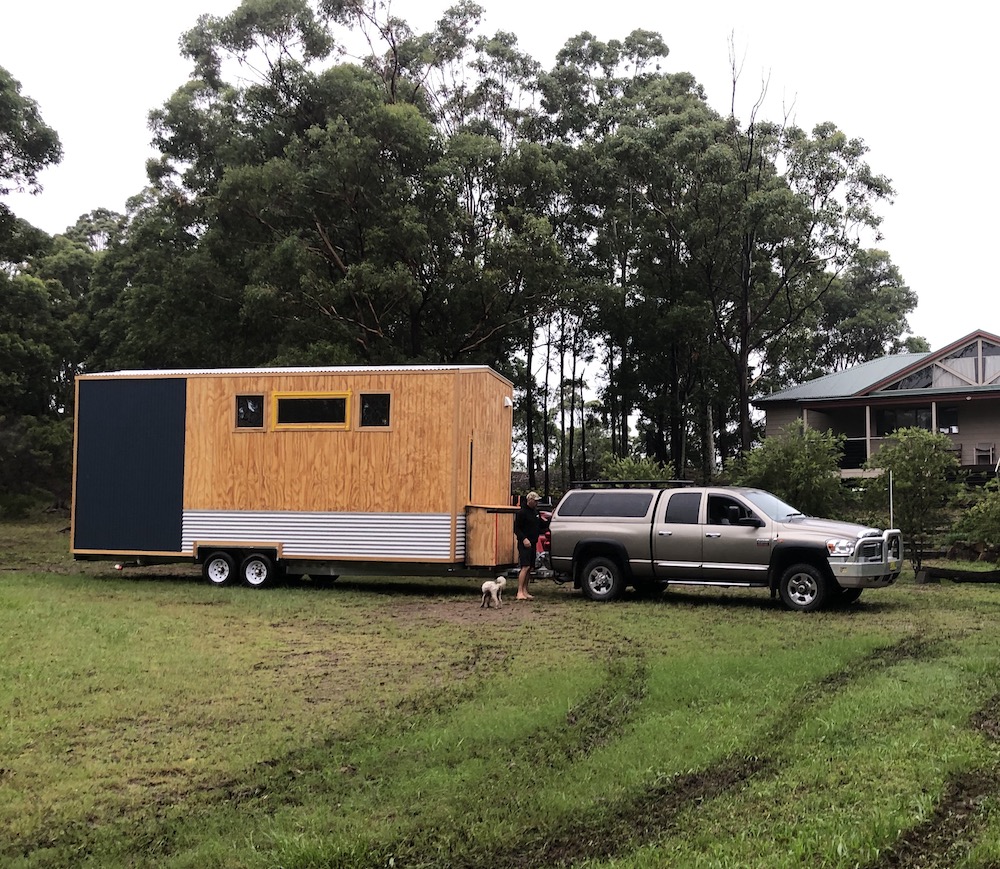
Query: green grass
[{"x": 148, "y": 719}]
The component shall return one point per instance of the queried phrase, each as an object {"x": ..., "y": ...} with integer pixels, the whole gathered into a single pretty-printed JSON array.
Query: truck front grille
[{"x": 870, "y": 550}]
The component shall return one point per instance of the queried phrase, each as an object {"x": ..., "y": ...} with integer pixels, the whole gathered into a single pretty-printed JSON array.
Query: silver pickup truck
[{"x": 605, "y": 539}]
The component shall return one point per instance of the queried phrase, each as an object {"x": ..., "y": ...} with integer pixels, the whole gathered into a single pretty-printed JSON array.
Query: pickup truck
[{"x": 606, "y": 539}]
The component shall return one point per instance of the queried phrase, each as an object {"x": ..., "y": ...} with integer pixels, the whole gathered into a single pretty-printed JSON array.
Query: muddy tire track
[
  {"x": 960, "y": 814},
  {"x": 615, "y": 828}
]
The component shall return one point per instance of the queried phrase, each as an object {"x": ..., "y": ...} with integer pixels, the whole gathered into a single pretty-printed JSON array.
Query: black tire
[
  {"x": 848, "y": 595},
  {"x": 219, "y": 568},
  {"x": 803, "y": 588},
  {"x": 258, "y": 571},
  {"x": 602, "y": 579}
]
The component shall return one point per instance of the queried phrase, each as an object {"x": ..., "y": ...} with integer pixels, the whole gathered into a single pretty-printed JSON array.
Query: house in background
[{"x": 955, "y": 391}]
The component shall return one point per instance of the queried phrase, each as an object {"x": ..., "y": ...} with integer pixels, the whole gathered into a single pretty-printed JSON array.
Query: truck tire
[
  {"x": 803, "y": 588},
  {"x": 602, "y": 579},
  {"x": 219, "y": 568},
  {"x": 258, "y": 571},
  {"x": 847, "y": 595}
]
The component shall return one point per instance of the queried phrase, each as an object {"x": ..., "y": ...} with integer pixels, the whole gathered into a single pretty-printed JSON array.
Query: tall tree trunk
[{"x": 529, "y": 405}]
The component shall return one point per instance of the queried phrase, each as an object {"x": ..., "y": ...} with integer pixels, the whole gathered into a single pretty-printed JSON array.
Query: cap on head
[{"x": 532, "y": 496}]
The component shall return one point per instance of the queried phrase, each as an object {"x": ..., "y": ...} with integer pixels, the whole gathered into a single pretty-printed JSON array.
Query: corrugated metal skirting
[{"x": 332, "y": 535}]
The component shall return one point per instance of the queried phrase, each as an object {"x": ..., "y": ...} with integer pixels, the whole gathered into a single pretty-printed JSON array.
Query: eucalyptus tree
[
  {"x": 27, "y": 143},
  {"x": 785, "y": 213},
  {"x": 382, "y": 211},
  {"x": 588, "y": 96},
  {"x": 864, "y": 314}
]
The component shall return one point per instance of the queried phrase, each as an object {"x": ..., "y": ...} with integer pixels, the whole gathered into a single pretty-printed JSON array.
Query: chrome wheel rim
[
  {"x": 600, "y": 580},
  {"x": 802, "y": 589}
]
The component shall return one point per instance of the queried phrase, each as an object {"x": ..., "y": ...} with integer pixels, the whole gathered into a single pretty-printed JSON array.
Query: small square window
[
  {"x": 249, "y": 411},
  {"x": 374, "y": 410}
]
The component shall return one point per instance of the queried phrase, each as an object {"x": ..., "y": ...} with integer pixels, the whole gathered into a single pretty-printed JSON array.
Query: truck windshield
[{"x": 772, "y": 505}]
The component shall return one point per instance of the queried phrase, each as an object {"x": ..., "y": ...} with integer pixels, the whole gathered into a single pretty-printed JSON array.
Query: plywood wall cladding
[
  {"x": 419, "y": 464},
  {"x": 484, "y": 457}
]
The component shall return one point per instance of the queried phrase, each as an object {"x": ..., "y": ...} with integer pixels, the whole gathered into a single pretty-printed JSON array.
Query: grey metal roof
[{"x": 844, "y": 384}]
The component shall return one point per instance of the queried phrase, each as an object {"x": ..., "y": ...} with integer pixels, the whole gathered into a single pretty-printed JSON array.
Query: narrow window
[
  {"x": 249, "y": 411},
  {"x": 374, "y": 410},
  {"x": 310, "y": 410}
]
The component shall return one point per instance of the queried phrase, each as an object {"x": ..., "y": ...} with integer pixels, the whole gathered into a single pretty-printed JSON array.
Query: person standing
[{"x": 527, "y": 529}]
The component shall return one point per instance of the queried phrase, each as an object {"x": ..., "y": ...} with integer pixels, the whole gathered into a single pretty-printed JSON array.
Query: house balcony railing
[{"x": 856, "y": 453}]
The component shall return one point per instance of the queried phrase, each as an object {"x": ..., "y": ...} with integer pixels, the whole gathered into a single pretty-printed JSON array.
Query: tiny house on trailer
[{"x": 255, "y": 472}]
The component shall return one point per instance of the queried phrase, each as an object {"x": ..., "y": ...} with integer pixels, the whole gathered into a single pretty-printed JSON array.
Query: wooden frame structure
[{"x": 322, "y": 469}]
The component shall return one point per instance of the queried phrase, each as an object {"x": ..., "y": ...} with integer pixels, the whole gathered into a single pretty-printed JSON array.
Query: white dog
[{"x": 493, "y": 591}]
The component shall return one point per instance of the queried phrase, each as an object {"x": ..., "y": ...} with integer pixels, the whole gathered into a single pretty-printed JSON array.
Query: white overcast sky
[{"x": 917, "y": 82}]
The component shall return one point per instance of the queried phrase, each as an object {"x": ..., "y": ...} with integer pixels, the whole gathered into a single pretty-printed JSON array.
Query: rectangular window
[
  {"x": 250, "y": 411},
  {"x": 600, "y": 503},
  {"x": 298, "y": 410},
  {"x": 373, "y": 411},
  {"x": 683, "y": 508},
  {"x": 888, "y": 419}
]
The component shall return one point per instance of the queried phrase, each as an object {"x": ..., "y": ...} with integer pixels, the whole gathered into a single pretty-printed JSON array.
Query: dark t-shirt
[{"x": 527, "y": 523}]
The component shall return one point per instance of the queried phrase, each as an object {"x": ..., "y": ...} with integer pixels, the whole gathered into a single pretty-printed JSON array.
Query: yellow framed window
[{"x": 311, "y": 410}]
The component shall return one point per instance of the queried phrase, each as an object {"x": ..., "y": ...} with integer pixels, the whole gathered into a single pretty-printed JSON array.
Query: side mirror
[{"x": 751, "y": 522}]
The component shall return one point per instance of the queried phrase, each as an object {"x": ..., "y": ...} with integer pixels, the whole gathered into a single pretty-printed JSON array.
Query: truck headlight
[{"x": 840, "y": 546}]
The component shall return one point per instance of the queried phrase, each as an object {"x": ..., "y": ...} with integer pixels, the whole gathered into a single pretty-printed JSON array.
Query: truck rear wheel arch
[{"x": 587, "y": 550}]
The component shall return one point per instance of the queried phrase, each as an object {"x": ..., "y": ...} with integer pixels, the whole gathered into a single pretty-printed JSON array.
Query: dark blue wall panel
[{"x": 130, "y": 464}]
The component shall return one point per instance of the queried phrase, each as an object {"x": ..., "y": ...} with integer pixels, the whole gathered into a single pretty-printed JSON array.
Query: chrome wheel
[
  {"x": 602, "y": 579},
  {"x": 803, "y": 588}
]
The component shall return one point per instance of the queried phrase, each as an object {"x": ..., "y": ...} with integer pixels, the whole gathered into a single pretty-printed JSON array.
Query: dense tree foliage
[
  {"x": 37, "y": 338},
  {"x": 637, "y": 262}
]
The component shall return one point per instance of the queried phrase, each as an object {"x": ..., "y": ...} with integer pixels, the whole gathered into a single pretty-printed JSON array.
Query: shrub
[
  {"x": 799, "y": 465},
  {"x": 629, "y": 468},
  {"x": 921, "y": 468},
  {"x": 979, "y": 524}
]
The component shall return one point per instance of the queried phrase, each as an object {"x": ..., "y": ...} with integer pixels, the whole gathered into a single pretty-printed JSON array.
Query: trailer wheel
[
  {"x": 258, "y": 570},
  {"x": 219, "y": 568}
]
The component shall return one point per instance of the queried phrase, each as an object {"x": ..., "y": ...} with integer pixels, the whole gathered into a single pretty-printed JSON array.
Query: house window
[
  {"x": 250, "y": 411},
  {"x": 374, "y": 410},
  {"x": 948, "y": 420},
  {"x": 888, "y": 419},
  {"x": 298, "y": 410}
]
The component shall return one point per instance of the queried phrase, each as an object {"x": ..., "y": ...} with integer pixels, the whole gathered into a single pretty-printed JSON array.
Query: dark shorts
[{"x": 526, "y": 554}]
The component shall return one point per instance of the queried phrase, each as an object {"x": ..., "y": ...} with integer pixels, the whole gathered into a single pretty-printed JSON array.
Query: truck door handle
[
  {"x": 664, "y": 533},
  {"x": 713, "y": 533}
]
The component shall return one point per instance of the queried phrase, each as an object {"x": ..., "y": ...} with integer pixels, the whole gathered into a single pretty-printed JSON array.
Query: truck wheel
[
  {"x": 602, "y": 579},
  {"x": 258, "y": 570},
  {"x": 219, "y": 568},
  {"x": 803, "y": 588}
]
